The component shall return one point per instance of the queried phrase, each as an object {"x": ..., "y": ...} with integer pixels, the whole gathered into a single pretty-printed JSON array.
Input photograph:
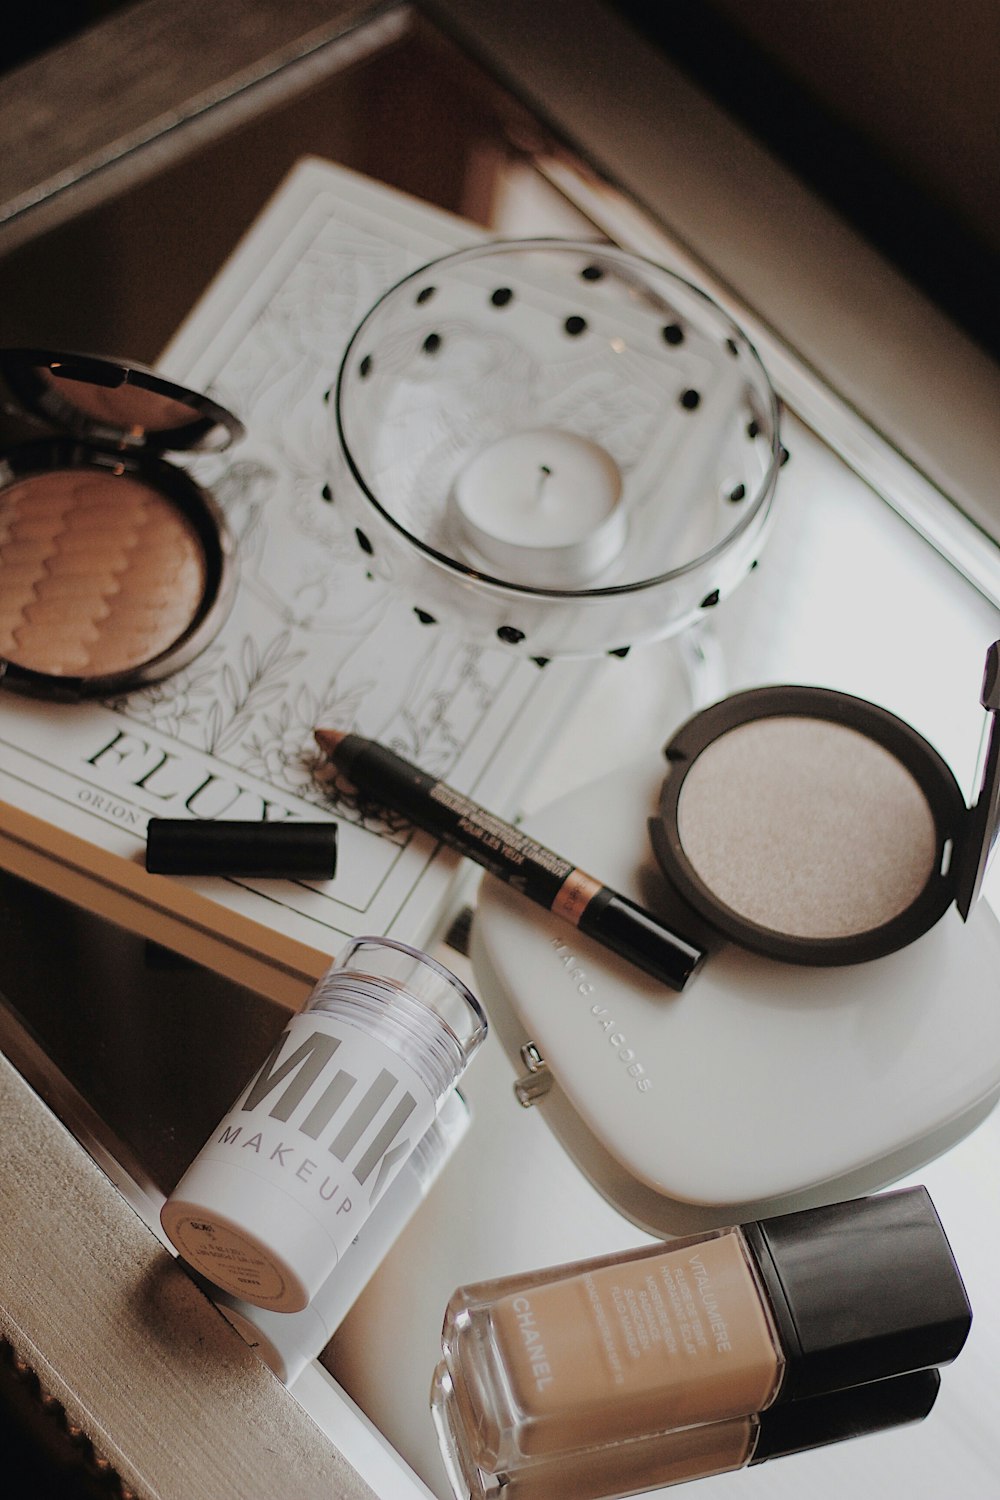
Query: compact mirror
[
  {"x": 819, "y": 828},
  {"x": 116, "y": 567},
  {"x": 105, "y": 401}
]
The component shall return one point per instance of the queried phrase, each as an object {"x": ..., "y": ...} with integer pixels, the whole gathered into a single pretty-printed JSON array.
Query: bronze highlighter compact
[
  {"x": 116, "y": 568},
  {"x": 818, "y": 828}
]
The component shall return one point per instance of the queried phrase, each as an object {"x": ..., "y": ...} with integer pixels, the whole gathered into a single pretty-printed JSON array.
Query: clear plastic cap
[{"x": 404, "y": 991}]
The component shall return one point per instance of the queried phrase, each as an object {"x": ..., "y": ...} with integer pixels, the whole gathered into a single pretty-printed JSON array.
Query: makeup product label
[
  {"x": 288, "y": 1341},
  {"x": 658, "y": 1342},
  {"x": 326, "y": 1124},
  {"x": 496, "y": 845}
]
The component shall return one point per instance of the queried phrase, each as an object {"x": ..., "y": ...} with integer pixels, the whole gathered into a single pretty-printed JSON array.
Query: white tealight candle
[{"x": 541, "y": 508}]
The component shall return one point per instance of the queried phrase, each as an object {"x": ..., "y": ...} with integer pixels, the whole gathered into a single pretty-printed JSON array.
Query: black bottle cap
[
  {"x": 800, "y": 1425},
  {"x": 282, "y": 851},
  {"x": 861, "y": 1290},
  {"x": 976, "y": 847}
]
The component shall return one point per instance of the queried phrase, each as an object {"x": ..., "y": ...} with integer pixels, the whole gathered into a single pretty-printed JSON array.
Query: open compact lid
[
  {"x": 984, "y": 820},
  {"x": 113, "y": 404}
]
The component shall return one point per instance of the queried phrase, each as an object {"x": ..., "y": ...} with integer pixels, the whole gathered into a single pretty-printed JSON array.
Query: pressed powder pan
[
  {"x": 116, "y": 568},
  {"x": 818, "y": 828}
]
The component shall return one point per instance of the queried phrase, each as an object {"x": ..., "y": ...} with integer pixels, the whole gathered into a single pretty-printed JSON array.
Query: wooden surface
[
  {"x": 152, "y": 1374},
  {"x": 122, "y": 99}
]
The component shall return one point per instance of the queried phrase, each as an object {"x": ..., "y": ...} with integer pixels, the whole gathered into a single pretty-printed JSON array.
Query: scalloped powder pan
[{"x": 115, "y": 566}]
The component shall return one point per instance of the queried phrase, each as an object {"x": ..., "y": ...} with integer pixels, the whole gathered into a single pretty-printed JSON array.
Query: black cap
[
  {"x": 861, "y": 1290},
  {"x": 641, "y": 937},
  {"x": 801, "y": 1425},
  {"x": 979, "y": 840},
  {"x": 289, "y": 850}
]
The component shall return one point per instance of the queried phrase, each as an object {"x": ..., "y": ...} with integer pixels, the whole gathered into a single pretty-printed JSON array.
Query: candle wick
[{"x": 544, "y": 473}]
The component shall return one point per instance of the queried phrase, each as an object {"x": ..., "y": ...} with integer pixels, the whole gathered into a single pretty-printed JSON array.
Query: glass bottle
[{"x": 704, "y": 1329}]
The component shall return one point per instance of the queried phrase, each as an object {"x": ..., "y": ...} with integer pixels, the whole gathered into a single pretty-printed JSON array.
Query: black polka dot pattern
[
  {"x": 363, "y": 542},
  {"x": 575, "y": 325},
  {"x": 710, "y": 600},
  {"x": 673, "y": 333},
  {"x": 592, "y": 273},
  {"x": 510, "y": 634},
  {"x": 738, "y": 493},
  {"x": 502, "y": 296},
  {"x": 425, "y": 294},
  {"x": 690, "y": 399},
  {"x": 424, "y": 616},
  {"x": 327, "y": 494},
  {"x": 432, "y": 343},
  {"x": 365, "y": 367},
  {"x": 621, "y": 652}
]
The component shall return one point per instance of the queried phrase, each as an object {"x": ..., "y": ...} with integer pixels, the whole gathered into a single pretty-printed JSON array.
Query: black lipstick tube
[
  {"x": 563, "y": 888},
  {"x": 290, "y": 850}
]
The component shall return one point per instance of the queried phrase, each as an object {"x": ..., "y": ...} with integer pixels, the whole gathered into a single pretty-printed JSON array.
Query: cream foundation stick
[{"x": 279, "y": 1192}]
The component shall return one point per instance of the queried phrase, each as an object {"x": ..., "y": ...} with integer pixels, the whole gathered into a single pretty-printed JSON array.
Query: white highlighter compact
[
  {"x": 797, "y": 824},
  {"x": 818, "y": 828}
]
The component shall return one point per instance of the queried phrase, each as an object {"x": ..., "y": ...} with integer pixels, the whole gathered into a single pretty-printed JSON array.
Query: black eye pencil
[{"x": 619, "y": 924}]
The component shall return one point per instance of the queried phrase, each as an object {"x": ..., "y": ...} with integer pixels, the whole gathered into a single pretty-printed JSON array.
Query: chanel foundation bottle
[
  {"x": 297, "y": 1166},
  {"x": 545, "y": 1368}
]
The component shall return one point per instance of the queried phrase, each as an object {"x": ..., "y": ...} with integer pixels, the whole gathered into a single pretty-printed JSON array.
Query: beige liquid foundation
[{"x": 542, "y": 1369}]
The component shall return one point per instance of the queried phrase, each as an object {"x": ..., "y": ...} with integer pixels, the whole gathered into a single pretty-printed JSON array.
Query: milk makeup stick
[
  {"x": 568, "y": 892},
  {"x": 287, "y": 1342},
  {"x": 294, "y": 1170},
  {"x": 543, "y": 1368}
]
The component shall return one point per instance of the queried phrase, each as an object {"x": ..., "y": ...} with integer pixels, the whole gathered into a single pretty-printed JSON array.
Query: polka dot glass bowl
[{"x": 545, "y": 346}]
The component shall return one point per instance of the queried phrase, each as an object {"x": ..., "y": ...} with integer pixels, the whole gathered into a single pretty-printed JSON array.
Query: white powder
[{"x": 806, "y": 827}]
